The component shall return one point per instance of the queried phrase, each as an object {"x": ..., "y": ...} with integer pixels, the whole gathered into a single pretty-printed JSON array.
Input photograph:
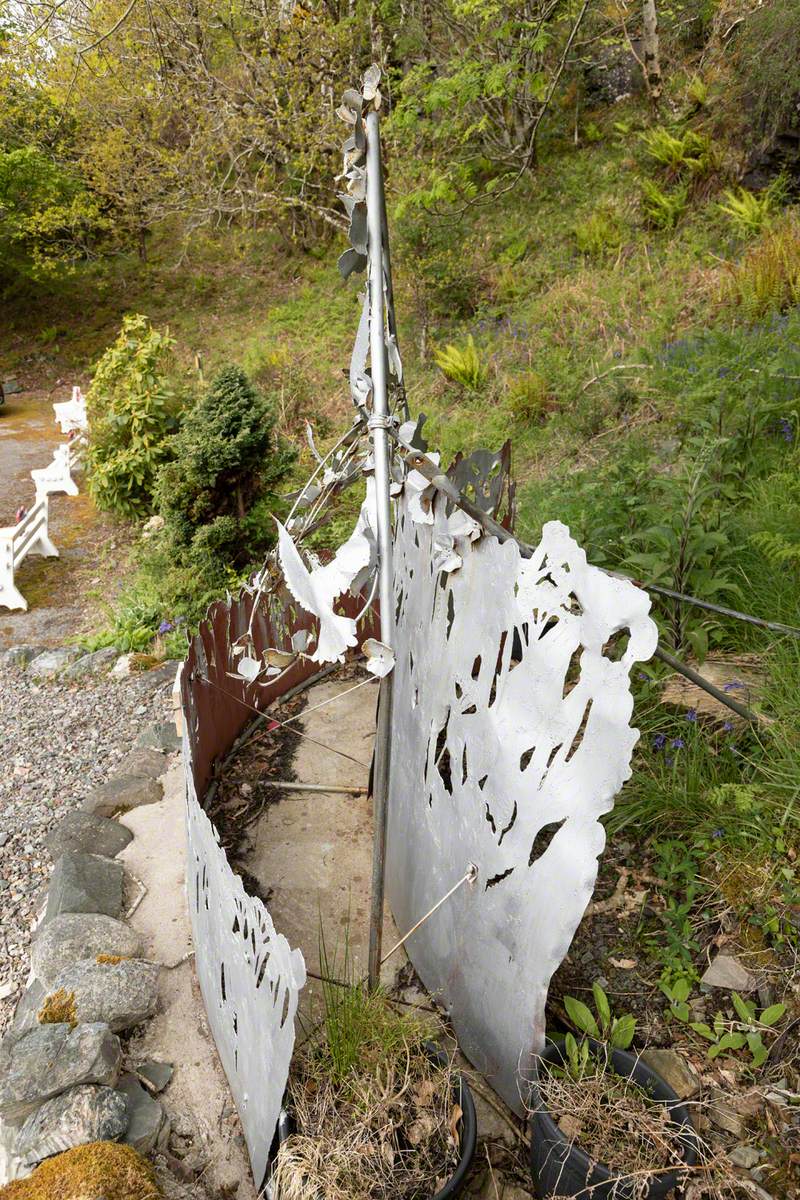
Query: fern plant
[
  {"x": 663, "y": 210},
  {"x": 689, "y": 152},
  {"x": 768, "y": 277},
  {"x": 750, "y": 212},
  {"x": 463, "y": 365}
]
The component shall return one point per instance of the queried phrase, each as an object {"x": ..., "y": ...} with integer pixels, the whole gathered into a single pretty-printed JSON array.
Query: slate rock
[
  {"x": 728, "y": 973},
  {"x": 722, "y": 1113},
  {"x": 85, "y": 883},
  {"x": 744, "y": 1156},
  {"x": 75, "y": 1118},
  {"x": 20, "y": 656},
  {"x": 160, "y": 736},
  {"x": 674, "y": 1070},
  {"x": 146, "y": 1116},
  {"x": 156, "y": 1075},
  {"x": 121, "y": 994},
  {"x": 51, "y": 1059},
  {"x": 122, "y": 667},
  {"x": 25, "y": 1013},
  {"x": 143, "y": 763},
  {"x": 52, "y": 662},
  {"x": 90, "y": 664},
  {"x": 86, "y": 831},
  {"x": 614, "y": 73},
  {"x": 122, "y": 793},
  {"x": 71, "y": 937}
]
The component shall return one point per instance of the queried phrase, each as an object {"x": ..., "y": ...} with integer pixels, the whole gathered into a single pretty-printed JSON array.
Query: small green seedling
[
  {"x": 604, "y": 1027},
  {"x": 577, "y": 1056},
  {"x": 725, "y": 1035}
]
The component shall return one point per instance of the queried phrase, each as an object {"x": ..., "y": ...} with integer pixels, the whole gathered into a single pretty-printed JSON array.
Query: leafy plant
[
  {"x": 132, "y": 408},
  {"x": 725, "y": 1035},
  {"x": 463, "y": 364},
  {"x": 598, "y": 233},
  {"x": 751, "y": 212},
  {"x": 768, "y": 276},
  {"x": 663, "y": 209},
  {"x": 697, "y": 92},
  {"x": 688, "y": 152},
  {"x": 578, "y": 1055},
  {"x": 601, "y": 1025},
  {"x": 528, "y": 396}
]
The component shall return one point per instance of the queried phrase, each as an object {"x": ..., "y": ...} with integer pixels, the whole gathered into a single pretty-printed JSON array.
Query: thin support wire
[
  {"x": 285, "y": 724},
  {"x": 468, "y": 877}
]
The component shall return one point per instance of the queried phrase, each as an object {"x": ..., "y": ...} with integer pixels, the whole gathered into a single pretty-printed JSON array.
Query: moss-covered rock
[{"x": 100, "y": 1169}]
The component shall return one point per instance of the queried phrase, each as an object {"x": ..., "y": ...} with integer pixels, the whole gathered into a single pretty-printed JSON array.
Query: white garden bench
[
  {"x": 30, "y": 536},
  {"x": 57, "y": 476},
  {"x": 71, "y": 414}
]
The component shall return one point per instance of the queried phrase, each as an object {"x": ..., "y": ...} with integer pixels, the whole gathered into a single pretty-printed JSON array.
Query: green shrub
[
  {"x": 462, "y": 364},
  {"x": 216, "y": 494},
  {"x": 132, "y": 409},
  {"x": 663, "y": 210}
]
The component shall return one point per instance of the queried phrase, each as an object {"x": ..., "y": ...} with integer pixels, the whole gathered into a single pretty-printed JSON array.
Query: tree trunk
[{"x": 652, "y": 61}]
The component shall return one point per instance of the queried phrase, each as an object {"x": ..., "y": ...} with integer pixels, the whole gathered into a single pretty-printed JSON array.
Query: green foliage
[
  {"x": 767, "y": 53},
  {"x": 601, "y": 1025},
  {"x": 697, "y": 92},
  {"x": 726, "y": 1036},
  {"x": 528, "y": 396},
  {"x": 687, "y": 153},
  {"x": 768, "y": 277},
  {"x": 578, "y": 1054},
  {"x": 675, "y": 945},
  {"x": 749, "y": 212},
  {"x": 132, "y": 408},
  {"x": 216, "y": 495},
  {"x": 48, "y": 219},
  {"x": 463, "y": 365},
  {"x": 663, "y": 210},
  {"x": 598, "y": 233}
]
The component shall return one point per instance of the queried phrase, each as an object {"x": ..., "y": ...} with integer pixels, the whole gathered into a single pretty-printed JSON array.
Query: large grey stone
[
  {"x": 52, "y": 662},
  {"x": 86, "y": 831},
  {"x": 160, "y": 736},
  {"x": 90, "y": 664},
  {"x": 71, "y": 937},
  {"x": 122, "y": 994},
  {"x": 19, "y": 656},
  {"x": 728, "y": 973},
  {"x": 122, "y": 793},
  {"x": 85, "y": 883},
  {"x": 144, "y": 762},
  {"x": 52, "y": 1058},
  {"x": 674, "y": 1070},
  {"x": 75, "y": 1118},
  {"x": 146, "y": 1116}
]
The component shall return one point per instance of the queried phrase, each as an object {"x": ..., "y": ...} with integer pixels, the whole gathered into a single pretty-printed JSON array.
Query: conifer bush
[{"x": 218, "y": 492}]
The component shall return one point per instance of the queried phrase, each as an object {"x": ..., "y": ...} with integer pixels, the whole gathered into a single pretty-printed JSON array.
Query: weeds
[
  {"x": 463, "y": 365},
  {"x": 768, "y": 277}
]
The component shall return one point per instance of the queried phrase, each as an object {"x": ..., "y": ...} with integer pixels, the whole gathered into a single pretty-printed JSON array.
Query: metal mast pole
[{"x": 379, "y": 426}]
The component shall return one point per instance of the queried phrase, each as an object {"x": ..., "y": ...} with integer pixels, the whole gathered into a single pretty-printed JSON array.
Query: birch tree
[{"x": 652, "y": 60}]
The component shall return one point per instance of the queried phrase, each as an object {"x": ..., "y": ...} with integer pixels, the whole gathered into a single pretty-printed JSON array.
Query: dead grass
[
  {"x": 389, "y": 1130},
  {"x": 613, "y": 1120}
]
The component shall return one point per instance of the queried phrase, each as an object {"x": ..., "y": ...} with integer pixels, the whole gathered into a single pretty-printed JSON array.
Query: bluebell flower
[
  {"x": 728, "y": 726},
  {"x": 717, "y": 833},
  {"x": 643, "y": 675},
  {"x": 691, "y": 715},
  {"x": 669, "y": 759},
  {"x": 677, "y": 743},
  {"x": 166, "y": 627},
  {"x": 734, "y": 683},
  {"x": 659, "y": 741}
]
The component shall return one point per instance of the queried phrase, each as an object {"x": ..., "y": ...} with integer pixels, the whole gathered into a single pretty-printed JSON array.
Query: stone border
[{"x": 64, "y": 1081}]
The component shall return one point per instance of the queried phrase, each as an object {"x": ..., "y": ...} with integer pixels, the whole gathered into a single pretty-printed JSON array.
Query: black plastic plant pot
[
  {"x": 468, "y": 1130},
  {"x": 560, "y": 1168}
]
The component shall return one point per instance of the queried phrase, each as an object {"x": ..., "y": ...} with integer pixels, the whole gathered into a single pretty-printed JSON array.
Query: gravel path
[{"x": 58, "y": 742}]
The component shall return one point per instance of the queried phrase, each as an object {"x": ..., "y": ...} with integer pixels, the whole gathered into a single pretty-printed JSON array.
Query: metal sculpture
[{"x": 511, "y": 737}]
